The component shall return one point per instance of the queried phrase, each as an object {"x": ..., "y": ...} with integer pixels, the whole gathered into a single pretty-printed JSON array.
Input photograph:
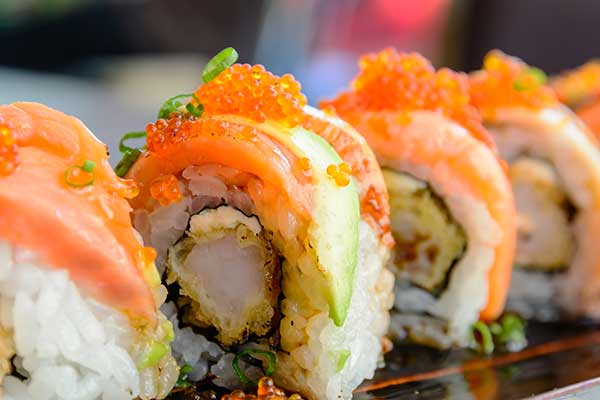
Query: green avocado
[{"x": 334, "y": 231}]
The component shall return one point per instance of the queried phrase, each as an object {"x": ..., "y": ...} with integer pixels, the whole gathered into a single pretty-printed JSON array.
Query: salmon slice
[
  {"x": 85, "y": 230},
  {"x": 235, "y": 142},
  {"x": 590, "y": 115}
]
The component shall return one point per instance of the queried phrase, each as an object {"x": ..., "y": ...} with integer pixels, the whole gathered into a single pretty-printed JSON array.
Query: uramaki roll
[
  {"x": 555, "y": 174},
  {"x": 79, "y": 295},
  {"x": 452, "y": 211},
  {"x": 256, "y": 221}
]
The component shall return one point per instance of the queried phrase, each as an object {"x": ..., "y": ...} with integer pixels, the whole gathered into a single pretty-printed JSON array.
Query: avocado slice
[{"x": 334, "y": 233}]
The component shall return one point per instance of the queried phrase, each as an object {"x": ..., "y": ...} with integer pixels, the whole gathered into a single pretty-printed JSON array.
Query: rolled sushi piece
[
  {"x": 554, "y": 169},
  {"x": 452, "y": 211},
  {"x": 79, "y": 294},
  {"x": 256, "y": 221},
  {"x": 580, "y": 90}
]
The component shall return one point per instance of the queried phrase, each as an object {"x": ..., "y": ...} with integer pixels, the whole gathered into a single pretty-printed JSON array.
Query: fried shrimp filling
[
  {"x": 220, "y": 264},
  {"x": 228, "y": 273},
  {"x": 545, "y": 239},
  {"x": 428, "y": 240}
]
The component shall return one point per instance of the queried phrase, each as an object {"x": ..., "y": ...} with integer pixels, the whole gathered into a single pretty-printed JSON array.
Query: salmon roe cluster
[
  {"x": 266, "y": 391},
  {"x": 340, "y": 173},
  {"x": 165, "y": 189},
  {"x": 255, "y": 93},
  {"x": 508, "y": 82},
  {"x": 579, "y": 84},
  {"x": 165, "y": 133},
  {"x": 403, "y": 82},
  {"x": 8, "y": 151}
]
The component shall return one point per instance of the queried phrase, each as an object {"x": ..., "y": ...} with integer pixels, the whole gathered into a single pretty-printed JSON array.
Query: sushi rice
[{"x": 67, "y": 345}]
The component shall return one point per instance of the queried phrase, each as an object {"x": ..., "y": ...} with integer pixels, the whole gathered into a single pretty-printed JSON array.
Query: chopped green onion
[
  {"x": 486, "y": 342},
  {"x": 343, "y": 356},
  {"x": 131, "y": 135},
  {"x": 129, "y": 158},
  {"x": 238, "y": 371},
  {"x": 153, "y": 355},
  {"x": 169, "y": 332},
  {"x": 88, "y": 167},
  {"x": 539, "y": 78},
  {"x": 539, "y": 75},
  {"x": 195, "y": 110},
  {"x": 130, "y": 154},
  {"x": 513, "y": 329},
  {"x": 519, "y": 86},
  {"x": 219, "y": 63},
  {"x": 172, "y": 105},
  {"x": 495, "y": 328},
  {"x": 182, "y": 379}
]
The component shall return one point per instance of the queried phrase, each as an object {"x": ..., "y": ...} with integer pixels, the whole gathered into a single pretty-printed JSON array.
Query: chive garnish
[
  {"x": 130, "y": 135},
  {"x": 225, "y": 58},
  {"x": 129, "y": 158},
  {"x": 538, "y": 77},
  {"x": 485, "y": 341},
  {"x": 508, "y": 333},
  {"x": 343, "y": 356},
  {"x": 87, "y": 167},
  {"x": 238, "y": 371},
  {"x": 182, "y": 379}
]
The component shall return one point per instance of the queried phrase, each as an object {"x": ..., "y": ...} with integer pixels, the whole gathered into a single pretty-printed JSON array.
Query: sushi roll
[
  {"x": 580, "y": 90},
  {"x": 554, "y": 169},
  {"x": 452, "y": 211},
  {"x": 256, "y": 222},
  {"x": 79, "y": 294}
]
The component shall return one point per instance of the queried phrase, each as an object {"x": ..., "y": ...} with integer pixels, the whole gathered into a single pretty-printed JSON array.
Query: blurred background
[{"x": 113, "y": 62}]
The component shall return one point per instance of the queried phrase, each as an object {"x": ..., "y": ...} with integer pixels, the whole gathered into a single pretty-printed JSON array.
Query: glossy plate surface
[{"x": 561, "y": 362}]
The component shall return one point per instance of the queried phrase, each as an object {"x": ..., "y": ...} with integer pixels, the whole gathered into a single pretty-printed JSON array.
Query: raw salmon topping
[
  {"x": 165, "y": 189},
  {"x": 402, "y": 82},
  {"x": 8, "y": 151},
  {"x": 165, "y": 133},
  {"x": 255, "y": 93},
  {"x": 508, "y": 82}
]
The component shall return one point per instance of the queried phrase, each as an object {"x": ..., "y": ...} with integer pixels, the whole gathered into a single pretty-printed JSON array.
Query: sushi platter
[{"x": 425, "y": 234}]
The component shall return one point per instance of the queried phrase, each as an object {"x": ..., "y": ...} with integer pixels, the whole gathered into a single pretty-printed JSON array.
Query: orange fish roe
[
  {"x": 266, "y": 391},
  {"x": 340, "y": 173},
  {"x": 508, "y": 82},
  {"x": 8, "y": 151},
  {"x": 128, "y": 188},
  {"x": 165, "y": 189},
  {"x": 255, "y": 93},
  {"x": 402, "y": 82},
  {"x": 147, "y": 255},
  {"x": 304, "y": 163},
  {"x": 579, "y": 84}
]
